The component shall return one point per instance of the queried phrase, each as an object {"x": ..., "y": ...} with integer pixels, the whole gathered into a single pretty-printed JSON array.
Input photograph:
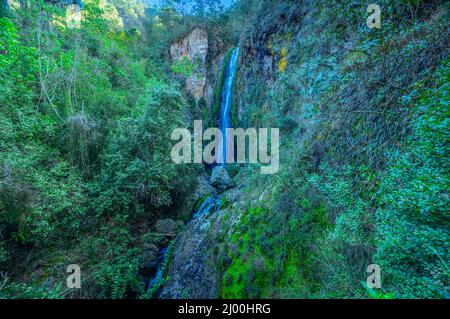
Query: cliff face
[
  {"x": 343, "y": 96},
  {"x": 260, "y": 44},
  {"x": 267, "y": 46},
  {"x": 194, "y": 46},
  {"x": 207, "y": 53}
]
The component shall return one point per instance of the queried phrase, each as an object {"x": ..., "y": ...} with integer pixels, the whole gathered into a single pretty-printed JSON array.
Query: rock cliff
[{"x": 195, "y": 47}]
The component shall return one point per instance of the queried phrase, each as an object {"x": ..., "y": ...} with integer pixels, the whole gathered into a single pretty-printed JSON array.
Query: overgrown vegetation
[
  {"x": 364, "y": 120},
  {"x": 86, "y": 116},
  {"x": 85, "y": 171}
]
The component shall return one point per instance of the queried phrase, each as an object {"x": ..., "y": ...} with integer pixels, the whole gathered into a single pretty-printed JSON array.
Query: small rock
[{"x": 221, "y": 179}]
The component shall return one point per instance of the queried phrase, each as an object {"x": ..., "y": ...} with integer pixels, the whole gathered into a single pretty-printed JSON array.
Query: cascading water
[
  {"x": 225, "y": 104},
  {"x": 159, "y": 271},
  {"x": 200, "y": 222},
  {"x": 208, "y": 204}
]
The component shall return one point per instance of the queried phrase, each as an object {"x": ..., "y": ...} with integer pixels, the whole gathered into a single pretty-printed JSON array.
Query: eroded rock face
[
  {"x": 195, "y": 47},
  {"x": 167, "y": 227}
]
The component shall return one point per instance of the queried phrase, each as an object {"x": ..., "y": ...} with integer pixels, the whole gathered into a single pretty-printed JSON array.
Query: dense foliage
[
  {"x": 364, "y": 177},
  {"x": 85, "y": 170},
  {"x": 86, "y": 116}
]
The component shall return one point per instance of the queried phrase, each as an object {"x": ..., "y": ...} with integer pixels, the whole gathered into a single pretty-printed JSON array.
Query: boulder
[
  {"x": 190, "y": 271},
  {"x": 150, "y": 257},
  {"x": 202, "y": 188},
  {"x": 221, "y": 179},
  {"x": 167, "y": 227}
]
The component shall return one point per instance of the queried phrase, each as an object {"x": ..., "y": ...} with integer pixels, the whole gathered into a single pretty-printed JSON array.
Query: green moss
[
  {"x": 201, "y": 201},
  {"x": 224, "y": 202},
  {"x": 267, "y": 262},
  {"x": 234, "y": 280},
  {"x": 291, "y": 276}
]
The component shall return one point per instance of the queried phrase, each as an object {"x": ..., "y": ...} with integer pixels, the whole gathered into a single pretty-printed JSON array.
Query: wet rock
[
  {"x": 203, "y": 188},
  {"x": 191, "y": 275},
  {"x": 221, "y": 179}
]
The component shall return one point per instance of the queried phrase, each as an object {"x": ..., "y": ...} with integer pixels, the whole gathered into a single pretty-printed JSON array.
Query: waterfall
[
  {"x": 225, "y": 104},
  {"x": 200, "y": 221}
]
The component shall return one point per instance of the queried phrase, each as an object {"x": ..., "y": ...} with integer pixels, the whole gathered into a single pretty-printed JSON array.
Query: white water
[{"x": 225, "y": 105}]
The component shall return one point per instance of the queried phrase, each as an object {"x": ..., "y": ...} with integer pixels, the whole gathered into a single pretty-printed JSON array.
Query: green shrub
[
  {"x": 412, "y": 232},
  {"x": 138, "y": 173}
]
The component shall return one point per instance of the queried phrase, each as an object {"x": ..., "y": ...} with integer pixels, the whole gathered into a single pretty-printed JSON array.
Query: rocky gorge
[
  {"x": 90, "y": 176},
  {"x": 215, "y": 255}
]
